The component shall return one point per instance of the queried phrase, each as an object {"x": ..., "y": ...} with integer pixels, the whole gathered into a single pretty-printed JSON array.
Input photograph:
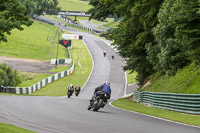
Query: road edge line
[
  {"x": 92, "y": 66},
  {"x": 110, "y": 103}
]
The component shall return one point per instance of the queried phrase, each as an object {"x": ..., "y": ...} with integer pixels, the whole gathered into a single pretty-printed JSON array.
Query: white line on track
[
  {"x": 110, "y": 103},
  {"x": 92, "y": 66}
]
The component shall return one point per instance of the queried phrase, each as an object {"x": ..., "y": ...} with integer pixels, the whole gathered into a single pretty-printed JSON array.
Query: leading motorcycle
[
  {"x": 99, "y": 102},
  {"x": 69, "y": 93}
]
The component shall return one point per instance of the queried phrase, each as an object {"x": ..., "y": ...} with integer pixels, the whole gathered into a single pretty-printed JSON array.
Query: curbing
[{"x": 44, "y": 82}]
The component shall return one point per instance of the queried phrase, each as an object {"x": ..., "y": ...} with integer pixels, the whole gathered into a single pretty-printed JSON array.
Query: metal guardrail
[{"x": 185, "y": 103}]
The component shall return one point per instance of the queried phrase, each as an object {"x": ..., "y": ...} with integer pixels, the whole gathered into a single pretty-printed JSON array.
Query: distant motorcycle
[
  {"x": 112, "y": 56},
  {"x": 77, "y": 91},
  {"x": 99, "y": 102},
  {"x": 104, "y": 53},
  {"x": 69, "y": 93}
]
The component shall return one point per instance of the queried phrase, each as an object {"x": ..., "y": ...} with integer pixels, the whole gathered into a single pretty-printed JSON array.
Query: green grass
[
  {"x": 79, "y": 76},
  {"x": 111, "y": 24},
  {"x": 124, "y": 103},
  {"x": 6, "y": 128},
  {"x": 29, "y": 79},
  {"x": 34, "y": 42},
  {"x": 185, "y": 81},
  {"x": 74, "y": 5},
  {"x": 131, "y": 77},
  {"x": 60, "y": 68}
]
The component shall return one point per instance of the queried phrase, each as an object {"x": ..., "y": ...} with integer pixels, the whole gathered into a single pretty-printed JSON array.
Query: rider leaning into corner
[{"x": 104, "y": 87}]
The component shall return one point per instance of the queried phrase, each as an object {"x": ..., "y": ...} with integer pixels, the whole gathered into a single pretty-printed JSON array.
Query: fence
[
  {"x": 71, "y": 22},
  {"x": 37, "y": 86},
  {"x": 185, "y": 103}
]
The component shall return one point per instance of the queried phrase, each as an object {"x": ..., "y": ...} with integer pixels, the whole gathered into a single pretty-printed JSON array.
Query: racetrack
[{"x": 64, "y": 115}]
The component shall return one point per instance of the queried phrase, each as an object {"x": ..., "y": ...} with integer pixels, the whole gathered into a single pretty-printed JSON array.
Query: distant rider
[
  {"x": 71, "y": 88},
  {"x": 104, "y": 53},
  {"x": 77, "y": 88},
  {"x": 104, "y": 87},
  {"x": 112, "y": 55}
]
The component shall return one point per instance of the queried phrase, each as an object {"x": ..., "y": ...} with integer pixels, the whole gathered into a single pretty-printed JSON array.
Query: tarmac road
[
  {"x": 94, "y": 26},
  {"x": 70, "y": 115}
]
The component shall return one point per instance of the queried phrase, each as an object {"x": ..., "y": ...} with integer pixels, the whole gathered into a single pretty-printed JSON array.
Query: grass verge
[
  {"x": 126, "y": 103},
  {"x": 6, "y": 128},
  {"x": 131, "y": 77},
  {"x": 185, "y": 81},
  {"x": 34, "y": 42},
  {"x": 79, "y": 76},
  {"x": 74, "y": 5}
]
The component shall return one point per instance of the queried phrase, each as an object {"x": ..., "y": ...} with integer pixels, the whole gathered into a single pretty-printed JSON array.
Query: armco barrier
[
  {"x": 185, "y": 103},
  {"x": 37, "y": 86}
]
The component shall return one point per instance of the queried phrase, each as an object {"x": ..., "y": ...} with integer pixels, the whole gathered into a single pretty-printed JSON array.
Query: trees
[
  {"x": 46, "y": 5},
  {"x": 177, "y": 36},
  {"x": 12, "y": 16},
  {"x": 134, "y": 31},
  {"x": 30, "y": 6},
  {"x": 154, "y": 35},
  {"x": 8, "y": 77}
]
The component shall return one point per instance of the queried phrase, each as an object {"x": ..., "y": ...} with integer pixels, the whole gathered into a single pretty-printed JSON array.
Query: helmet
[
  {"x": 77, "y": 84},
  {"x": 71, "y": 85},
  {"x": 107, "y": 83}
]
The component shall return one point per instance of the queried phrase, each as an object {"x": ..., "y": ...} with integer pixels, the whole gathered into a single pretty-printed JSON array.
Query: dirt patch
[{"x": 27, "y": 65}]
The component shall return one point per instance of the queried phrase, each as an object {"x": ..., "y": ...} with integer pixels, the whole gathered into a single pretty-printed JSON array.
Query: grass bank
[
  {"x": 74, "y": 5},
  {"x": 6, "y": 128},
  {"x": 131, "y": 77},
  {"x": 83, "y": 67},
  {"x": 185, "y": 81},
  {"x": 34, "y": 42},
  {"x": 125, "y": 103}
]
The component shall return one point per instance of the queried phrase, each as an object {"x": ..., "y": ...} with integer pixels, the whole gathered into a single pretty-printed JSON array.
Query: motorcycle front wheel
[{"x": 99, "y": 104}]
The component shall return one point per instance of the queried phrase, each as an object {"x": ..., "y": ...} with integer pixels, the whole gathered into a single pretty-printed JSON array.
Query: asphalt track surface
[
  {"x": 94, "y": 26},
  {"x": 70, "y": 115}
]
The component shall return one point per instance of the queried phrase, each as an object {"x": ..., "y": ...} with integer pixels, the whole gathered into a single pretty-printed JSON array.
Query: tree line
[{"x": 153, "y": 35}]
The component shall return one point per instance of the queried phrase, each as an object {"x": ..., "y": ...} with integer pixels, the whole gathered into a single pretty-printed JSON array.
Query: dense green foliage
[
  {"x": 12, "y": 16},
  {"x": 46, "y": 5},
  {"x": 154, "y": 35},
  {"x": 8, "y": 77},
  {"x": 177, "y": 35}
]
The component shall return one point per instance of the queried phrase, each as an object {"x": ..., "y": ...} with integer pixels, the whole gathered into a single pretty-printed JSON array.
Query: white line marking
[
  {"x": 110, "y": 103},
  {"x": 92, "y": 66}
]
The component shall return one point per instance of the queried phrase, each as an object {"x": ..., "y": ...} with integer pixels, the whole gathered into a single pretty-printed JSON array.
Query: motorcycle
[
  {"x": 69, "y": 93},
  {"x": 112, "y": 56},
  {"x": 104, "y": 53},
  {"x": 77, "y": 91},
  {"x": 99, "y": 102}
]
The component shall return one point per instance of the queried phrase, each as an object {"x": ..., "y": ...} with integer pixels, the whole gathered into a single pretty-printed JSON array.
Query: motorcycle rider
[
  {"x": 71, "y": 88},
  {"x": 104, "y": 87},
  {"x": 104, "y": 53},
  {"x": 112, "y": 55},
  {"x": 77, "y": 88}
]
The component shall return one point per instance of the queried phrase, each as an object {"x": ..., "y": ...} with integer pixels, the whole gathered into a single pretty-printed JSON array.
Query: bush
[{"x": 8, "y": 77}]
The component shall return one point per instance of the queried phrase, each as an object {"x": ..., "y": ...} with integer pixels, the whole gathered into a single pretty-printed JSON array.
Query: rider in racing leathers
[{"x": 104, "y": 87}]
